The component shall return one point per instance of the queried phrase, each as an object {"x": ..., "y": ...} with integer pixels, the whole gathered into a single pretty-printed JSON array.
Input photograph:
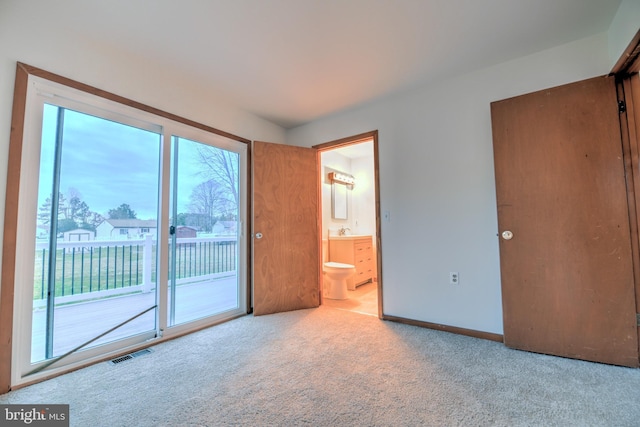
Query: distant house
[
  {"x": 184, "y": 231},
  {"x": 78, "y": 235},
  {"x": 116, "y": 229},
  {"x": 225, "y": 228}
]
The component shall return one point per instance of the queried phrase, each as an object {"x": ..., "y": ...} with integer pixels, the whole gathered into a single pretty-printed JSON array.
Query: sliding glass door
[
  {"x": 204, "y": 231},
  {"x": 129, "y": 228},
  {"x": 97, "y": 210}
]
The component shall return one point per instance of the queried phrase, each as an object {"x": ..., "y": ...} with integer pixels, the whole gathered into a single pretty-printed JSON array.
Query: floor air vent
[
  {"x": 141, "y": 352},
  {"x": 120, "y": 359},
  {"x": 129, "y": 356}
]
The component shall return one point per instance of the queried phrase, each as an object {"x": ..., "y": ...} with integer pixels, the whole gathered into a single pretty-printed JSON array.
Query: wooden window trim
[{"x": 8, "y": 276}]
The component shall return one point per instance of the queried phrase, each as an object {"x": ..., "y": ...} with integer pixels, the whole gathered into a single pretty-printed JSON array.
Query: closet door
[
  {"x": 565, "y": 248},
  {"x": 632, "y": 100}
]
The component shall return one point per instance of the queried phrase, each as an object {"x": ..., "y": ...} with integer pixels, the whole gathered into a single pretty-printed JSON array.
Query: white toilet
[{"x": 335, "y": 283}]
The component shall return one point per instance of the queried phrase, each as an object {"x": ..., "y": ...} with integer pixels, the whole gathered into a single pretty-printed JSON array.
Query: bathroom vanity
[{"x": 356, "y": 250}]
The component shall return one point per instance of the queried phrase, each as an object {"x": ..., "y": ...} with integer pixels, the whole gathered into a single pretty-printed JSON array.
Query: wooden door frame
[
  {"x": 629, "y": 121},
  {"x": 343, "y": 142},
  {"x": 628, "y": 91}
]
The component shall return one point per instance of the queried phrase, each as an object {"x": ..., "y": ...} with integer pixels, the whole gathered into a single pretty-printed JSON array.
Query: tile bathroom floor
[{"x": 363, "y": 300}]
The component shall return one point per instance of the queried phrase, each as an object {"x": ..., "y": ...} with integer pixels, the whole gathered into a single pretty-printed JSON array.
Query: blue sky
[{"x": 110, "y": 163}]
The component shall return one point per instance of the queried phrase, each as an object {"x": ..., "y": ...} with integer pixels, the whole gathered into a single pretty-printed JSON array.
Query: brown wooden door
[
  {"x": 632, "y": 95},
  {"x": 285, "y": 213},
  {"x": 567, "y": 279}
]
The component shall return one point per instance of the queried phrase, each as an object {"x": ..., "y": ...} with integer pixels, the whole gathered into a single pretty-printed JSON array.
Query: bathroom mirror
[{"x": 338, "y": 201}]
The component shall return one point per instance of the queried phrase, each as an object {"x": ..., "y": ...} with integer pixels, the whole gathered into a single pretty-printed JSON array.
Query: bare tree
[
  {"x": 73, "y": 192},
  {"x": 221, "y": 166},
  {"x": 210, "y": 199},
  {"x": 94, "y": 220}
]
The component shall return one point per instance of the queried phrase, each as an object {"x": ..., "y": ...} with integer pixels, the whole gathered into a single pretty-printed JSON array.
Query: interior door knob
[
  {"x": 507, "y": 235},
  {"x": 258, "y": 235}
]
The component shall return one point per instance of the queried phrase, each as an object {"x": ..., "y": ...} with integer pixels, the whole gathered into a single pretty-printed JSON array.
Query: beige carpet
[{"x": 329, "y": 367}]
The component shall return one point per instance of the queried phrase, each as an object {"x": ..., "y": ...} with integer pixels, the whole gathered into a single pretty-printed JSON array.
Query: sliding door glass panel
[
  {"x": 95, "y": 263},
  {"x": 203, "y": 246}
]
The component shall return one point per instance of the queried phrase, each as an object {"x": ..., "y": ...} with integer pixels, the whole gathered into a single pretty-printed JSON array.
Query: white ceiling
[
  {"x": 356, "y": 151},
  {"x": 293, "y": 61}
]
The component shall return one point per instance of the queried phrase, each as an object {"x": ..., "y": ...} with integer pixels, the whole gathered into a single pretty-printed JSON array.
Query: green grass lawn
[{"x": 100, "y": 268}]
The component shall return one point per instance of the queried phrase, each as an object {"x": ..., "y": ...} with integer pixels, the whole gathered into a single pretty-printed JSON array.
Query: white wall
[
  {"x": 437, "y": 181},
  {"x": 623, "y": 28},
  {"x": 364, "y": 196}
]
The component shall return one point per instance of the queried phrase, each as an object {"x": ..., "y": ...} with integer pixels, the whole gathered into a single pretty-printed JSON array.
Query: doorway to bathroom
[{"x": 350, "y": 224}]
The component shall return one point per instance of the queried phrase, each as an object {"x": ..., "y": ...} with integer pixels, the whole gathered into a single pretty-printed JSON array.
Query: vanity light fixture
[{"x": 342, "y": 178}]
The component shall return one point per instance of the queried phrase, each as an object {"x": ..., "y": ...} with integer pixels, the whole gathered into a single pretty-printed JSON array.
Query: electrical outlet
[{"x": 454, "y": 278}]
